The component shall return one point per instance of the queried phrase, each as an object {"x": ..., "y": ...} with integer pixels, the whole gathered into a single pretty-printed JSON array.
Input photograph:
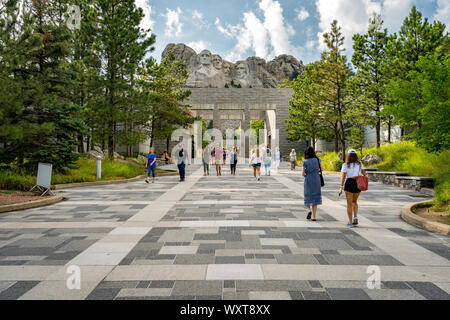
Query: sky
[{"x": 237, "y": 29}]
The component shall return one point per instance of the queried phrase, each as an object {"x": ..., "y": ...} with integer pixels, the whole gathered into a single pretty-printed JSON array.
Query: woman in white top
[
  {"x": 350, "y": 170},
  {"x": 255, "y": 162}
]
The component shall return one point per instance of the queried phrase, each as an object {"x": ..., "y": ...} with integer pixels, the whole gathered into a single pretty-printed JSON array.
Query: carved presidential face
[
  {"x": 205, "y": 58},
  {"x": 241, "y": 71},
  {"x": 226, "y": 68},
  {"x": 217, "y": 62}
]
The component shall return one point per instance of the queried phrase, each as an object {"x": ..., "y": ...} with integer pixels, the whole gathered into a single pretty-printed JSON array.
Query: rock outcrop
[{"x": 207, "y": 70}]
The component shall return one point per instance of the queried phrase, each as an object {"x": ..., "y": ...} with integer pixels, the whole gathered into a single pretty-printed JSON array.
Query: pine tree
[
  {"x": 334, "y": 73},
  {"x": 369, "y": 84},
  {"x": 417, "y": 38},
  {"x": 123, "y": 46}
]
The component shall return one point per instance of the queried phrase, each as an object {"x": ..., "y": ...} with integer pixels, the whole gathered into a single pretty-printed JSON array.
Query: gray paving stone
[
  {"x": 347, "y": 294},
  {"x": 161, "y": 284},
  {"x": 197, "y": 288},
  {"x": 231, "y": 260},
  {"x": 429, "y": 290},
  {"x": 18, "y": 289},
  {"x": 314, "y": 295}
]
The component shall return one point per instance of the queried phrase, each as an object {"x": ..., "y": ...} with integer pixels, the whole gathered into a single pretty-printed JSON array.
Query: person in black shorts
[{"x": 350, "y": 170}]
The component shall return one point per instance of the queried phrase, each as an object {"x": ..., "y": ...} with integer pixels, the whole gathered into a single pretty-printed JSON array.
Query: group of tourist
[{"x": 311, "y": 170}]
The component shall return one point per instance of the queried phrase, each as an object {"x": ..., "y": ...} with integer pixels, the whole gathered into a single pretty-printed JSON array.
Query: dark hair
[
  {"x": 310, "y": 153},
  {"x": 351, "y": 158}
]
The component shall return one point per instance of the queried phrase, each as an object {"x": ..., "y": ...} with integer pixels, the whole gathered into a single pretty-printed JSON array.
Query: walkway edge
[
  {"x": 429, "y": 225},
  {"x": 31, "y": 204},
  {"x": 106, "y": 182}
]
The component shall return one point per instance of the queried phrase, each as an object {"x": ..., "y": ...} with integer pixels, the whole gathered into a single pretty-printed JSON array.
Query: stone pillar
[
  {"x": 246, "y": 126},
  {"x": 216, "y": 117}
]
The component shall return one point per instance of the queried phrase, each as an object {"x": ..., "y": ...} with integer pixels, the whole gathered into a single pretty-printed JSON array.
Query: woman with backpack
[
  {"x": 312, "y": 167},
  {"x": 351, "y": 169}
]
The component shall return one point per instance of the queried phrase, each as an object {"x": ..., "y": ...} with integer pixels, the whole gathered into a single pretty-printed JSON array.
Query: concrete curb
[
  {"x": 31, "y": 204},
  {"x": 429, "y": 225},
  {"x": 106, "y": 182}
]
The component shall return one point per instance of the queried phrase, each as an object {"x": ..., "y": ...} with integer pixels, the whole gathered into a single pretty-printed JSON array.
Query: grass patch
[{"x": 85, "y": 170}]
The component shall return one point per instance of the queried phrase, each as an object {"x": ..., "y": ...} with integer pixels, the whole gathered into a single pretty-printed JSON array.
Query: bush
[
  {"x": 338, "y": 165},
  {"x": 329, "y": 160}
]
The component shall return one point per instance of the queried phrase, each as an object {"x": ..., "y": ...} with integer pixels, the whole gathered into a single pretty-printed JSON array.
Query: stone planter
[
  {"x": 414, "y": 183},
  {"x": 385, "y": 176}
]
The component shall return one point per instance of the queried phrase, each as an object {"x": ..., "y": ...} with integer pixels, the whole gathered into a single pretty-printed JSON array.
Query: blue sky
[{"x": 237, "y": 29}]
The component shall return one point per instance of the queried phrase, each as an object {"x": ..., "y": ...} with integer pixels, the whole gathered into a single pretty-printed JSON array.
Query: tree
[
  {"x": 431, "y": 81},
  {"x": 123, "y": 46},
  {"x": 44, "y": 119},
  {"x": 333, "y": 74},
  {"x": 417, "y": 38},
  {"x": 162, "y": 86},
  {"x": 305, "y": 112},
  {"x": 369, "y": 84}
]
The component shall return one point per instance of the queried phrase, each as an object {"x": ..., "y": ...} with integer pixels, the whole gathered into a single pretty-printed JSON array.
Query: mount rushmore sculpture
[{"x": 207, "y": 70}]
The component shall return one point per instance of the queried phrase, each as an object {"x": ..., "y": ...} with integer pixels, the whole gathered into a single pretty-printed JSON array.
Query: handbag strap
[{"x": 320, "y": 169}]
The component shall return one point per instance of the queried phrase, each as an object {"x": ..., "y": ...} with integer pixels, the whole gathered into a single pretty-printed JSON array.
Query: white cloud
[
  {"x": 223, "y": 30},
  {"x": 198, "y": 46},
  {"x": 443, "y": 12},
  {"x": 267, "y": 38},
  {"x": 147, "y": 22},
  {"x": 394, "y": 12},
  {"x": 173, "y": 25},
  {"x": 353, "y": 16},
  {"x": 198, "y": 16},
  {"x": 274, "y": 23},
  {"x": 302, "y": 14}
]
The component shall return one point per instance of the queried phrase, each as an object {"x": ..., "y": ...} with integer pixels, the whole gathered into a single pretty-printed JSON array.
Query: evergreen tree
[
  {"x": 305, "y": 112},
  {"x": 369, "y": 84},
  {"x": 417, "y": 38},
  {"x": 123, "y": 45},
  {"x": 334, "y": 73}
]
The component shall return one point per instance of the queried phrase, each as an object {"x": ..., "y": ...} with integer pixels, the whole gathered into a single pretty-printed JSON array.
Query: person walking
[
  {"x": 151, "y": 165},
  {"x": 312, "y": 190},
  {"x": 293, "y": 159},
  {"x": 350, "y": 170},
  {"x": 206, "y": 160},
  {"x": 181, "y": 163},
  {"x": 218, "y": 156},
  {"x": 267, "y": 157},
  {"x": 233, "y": 161},
  {"x": 165, "y": 156},
  {"x": 277, "y": 159},
  {"x": 255, "y": 162}
]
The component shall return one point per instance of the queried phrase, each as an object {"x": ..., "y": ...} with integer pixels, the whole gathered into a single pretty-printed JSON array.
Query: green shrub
[
  {"x": 338, "y": 165},
  {"x": 329, "y": 160},
  {"x": 11, "y": 180}
]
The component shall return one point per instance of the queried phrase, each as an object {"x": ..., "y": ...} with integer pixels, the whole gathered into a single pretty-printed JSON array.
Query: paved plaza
[{"x": 220, "y": 238}]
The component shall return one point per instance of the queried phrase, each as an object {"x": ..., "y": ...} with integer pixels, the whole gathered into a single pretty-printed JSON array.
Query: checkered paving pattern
[{"x": 220, "y": 238}]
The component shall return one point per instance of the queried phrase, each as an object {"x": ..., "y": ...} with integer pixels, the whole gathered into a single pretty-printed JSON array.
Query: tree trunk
[
  {"x": 378, "y": 132},
  {"x": 81, "y": 149},
  {"x": 167, "y": 144},
  {"x": 389, "y": 130},
  {"x": 88, "y": 143}
]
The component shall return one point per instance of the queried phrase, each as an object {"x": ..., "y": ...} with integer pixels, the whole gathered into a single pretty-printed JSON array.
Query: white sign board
[{"x": 44, "y": 176}]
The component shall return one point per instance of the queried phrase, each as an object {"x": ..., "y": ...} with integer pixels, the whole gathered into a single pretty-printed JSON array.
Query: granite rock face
[{"x": 207, "y": 70}]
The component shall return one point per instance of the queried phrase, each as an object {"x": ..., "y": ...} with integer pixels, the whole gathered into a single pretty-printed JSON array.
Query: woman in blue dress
[{"x": 312, "y": 187}]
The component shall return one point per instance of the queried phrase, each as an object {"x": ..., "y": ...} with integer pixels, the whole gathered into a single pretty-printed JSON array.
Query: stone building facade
[{"x": 225, "y": 106}]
